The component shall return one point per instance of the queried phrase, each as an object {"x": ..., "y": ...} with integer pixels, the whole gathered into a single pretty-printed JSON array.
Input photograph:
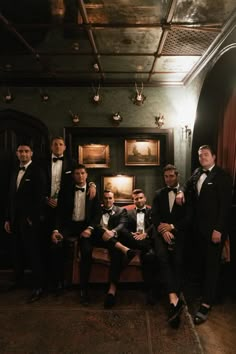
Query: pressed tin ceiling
[{"x": 157, "y": 42}]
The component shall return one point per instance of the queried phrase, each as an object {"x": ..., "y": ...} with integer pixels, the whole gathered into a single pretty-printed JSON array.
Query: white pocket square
[
  {"x": 210, "y": 183},
  {"x": 27, "y": 180},
  {"x": 67, "y": 172}
]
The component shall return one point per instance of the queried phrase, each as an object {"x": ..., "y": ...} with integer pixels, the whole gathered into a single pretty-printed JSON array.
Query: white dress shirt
[
  {"x": 56, "y": 170},
  {"x": 21, "y": 174},
  {"x": 202, "y": 179},
  {"x": 140, "y": 221},
  {"x": 79, "y": 205}
]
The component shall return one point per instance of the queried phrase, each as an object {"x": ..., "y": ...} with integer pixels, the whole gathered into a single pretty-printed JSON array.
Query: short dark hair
[
  {"x": 79, "y": 166},
  {"x": 137, "y": 191},
  {"x": 57, "y": 138},
  {"x": 207, "y": 147},
  {"x": 24, "y": 143},
  {"x": 170, "y": 167}
]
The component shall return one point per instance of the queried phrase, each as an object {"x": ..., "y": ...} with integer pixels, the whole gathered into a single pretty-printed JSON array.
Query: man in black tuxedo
[
  {"x": 23, "y": 214},
  {"x": 77, "y": 215},
  {"x": 107, "y": 234},
  {"x": 58, "y": 170},
  {"x": 139, "y": 235},
  {"x": 171, "y": 222},
  {"x": 210, "y": 189}
]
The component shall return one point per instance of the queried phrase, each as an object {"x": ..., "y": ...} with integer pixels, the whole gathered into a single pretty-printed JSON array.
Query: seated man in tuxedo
[
  {"x": 77, "y": 215},
  {"x": 106, "y": 234},
  {"x": 170, "y": 221},
  {"x": 139, "y": 235}
]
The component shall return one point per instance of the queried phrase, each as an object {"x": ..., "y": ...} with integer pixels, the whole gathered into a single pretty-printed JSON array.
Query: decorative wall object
[
  {"x": 142, "y": 152},
  {"x": 121, "y": 185},
  {"x": 94, "y": 155}
]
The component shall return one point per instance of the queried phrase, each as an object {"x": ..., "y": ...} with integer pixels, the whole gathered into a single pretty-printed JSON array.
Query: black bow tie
[
  {"x": 55, "y": 159},
  {"x": 172, "y": 190},
  {"x": 79, "y": 189},
  {"x": 22, "y": 168},
  {"x": 107, "y": 211},
  {"x": 204, "y": 171},
  {"x": 140, "y": 210}
]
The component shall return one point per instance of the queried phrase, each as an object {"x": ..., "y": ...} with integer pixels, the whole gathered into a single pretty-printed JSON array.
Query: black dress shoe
[
  {"x": 110, "y": 301},
  {"x": 130, "y": 254},
  {"x": 36, "y": 295},
  {"x": 149, "y": 256},
  {"x": 201, "y": 315},
  {"x": 84, "y": 297},
  {"x": 175, "y": 311},
  {"x": 58, "y": 290}
]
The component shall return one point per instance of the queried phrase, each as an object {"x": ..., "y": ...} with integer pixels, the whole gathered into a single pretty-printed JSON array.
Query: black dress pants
[
  {"x": 27, "y": 249},
  {"x": 170, "y": 262},
  {"x": 86, "y": 249}
]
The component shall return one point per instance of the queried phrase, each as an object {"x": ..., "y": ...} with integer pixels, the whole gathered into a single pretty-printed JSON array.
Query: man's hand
[
  {"x": 107, "y": 235},
  {"x": 179, "y": 199},
  {"x": 86, "y": 233},
  {"x": 216, "y": 236},
  {"x": 139, "y": 236},
  {"x": 7, "y": 227},
  {"x": 51, "y": 202},
  {"x": 168, "y": 236},
  {"x": 163, "y": 227},
  {"x": 56, "y": 237},
  {"x": 92, "y": 191}
]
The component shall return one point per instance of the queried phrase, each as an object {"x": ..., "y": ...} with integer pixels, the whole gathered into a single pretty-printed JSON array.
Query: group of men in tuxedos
[{"x": 58, "y": 196}]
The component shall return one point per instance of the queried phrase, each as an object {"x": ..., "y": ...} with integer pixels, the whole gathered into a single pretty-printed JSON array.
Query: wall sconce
[
  {"x": 159, "y": 120},
  {"x": 116, "y": 118},
  {"x": 74, "y": 117},
  {"x": 186, "y": 132},
  {"x": 44, "y": 95},
  {"x": 8, "y": 97},
  {"x": 96, "y": 67}
]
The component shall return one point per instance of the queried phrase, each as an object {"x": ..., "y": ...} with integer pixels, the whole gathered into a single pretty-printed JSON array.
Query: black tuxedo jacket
[
  {"x": 212, "y": 206},
  {"x": 118, "y": 220},
  {"x": 26, "y": 201},
  {"x": 66, "y": 173},
  {"x": 132, "y": 220},
  {"x": 66, "y": 206},
  {"x": 180, "y": 216}
]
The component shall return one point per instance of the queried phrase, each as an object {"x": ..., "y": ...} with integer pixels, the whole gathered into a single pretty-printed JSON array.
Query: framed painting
[
  {"x": 94, "y": 155},
  {"x": 121, "y": 185},
  {"x": 142, "y": 152}
]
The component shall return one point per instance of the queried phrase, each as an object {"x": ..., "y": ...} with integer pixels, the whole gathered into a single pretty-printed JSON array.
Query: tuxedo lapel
[{"x": 24, "y": 177}]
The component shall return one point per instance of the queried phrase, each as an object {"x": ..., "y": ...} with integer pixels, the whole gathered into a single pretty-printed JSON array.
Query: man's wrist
[
  {"x": 92, "y": 184},
  {"x": 114, "y": 232}
]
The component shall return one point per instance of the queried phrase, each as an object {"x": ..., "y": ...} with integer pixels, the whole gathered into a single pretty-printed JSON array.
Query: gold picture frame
[
  {"x": 121, "y": 185},
  {"x": 142, "y": 152},
  {"x": 94, "y": 155}
]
